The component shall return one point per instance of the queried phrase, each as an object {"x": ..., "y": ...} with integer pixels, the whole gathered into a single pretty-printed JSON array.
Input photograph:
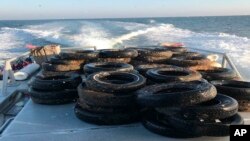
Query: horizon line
[{"x": 120, "y": 18}]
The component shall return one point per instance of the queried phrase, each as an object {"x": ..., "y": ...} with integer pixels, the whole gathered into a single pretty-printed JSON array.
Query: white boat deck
[{"x": 58, "y": 123}]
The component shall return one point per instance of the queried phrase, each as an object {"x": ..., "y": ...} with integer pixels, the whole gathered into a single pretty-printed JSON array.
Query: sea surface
[{"x": 229, "y": 34}]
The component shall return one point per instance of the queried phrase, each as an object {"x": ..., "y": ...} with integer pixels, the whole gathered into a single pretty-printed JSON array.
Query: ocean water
[{"x": 229, "y": 34}]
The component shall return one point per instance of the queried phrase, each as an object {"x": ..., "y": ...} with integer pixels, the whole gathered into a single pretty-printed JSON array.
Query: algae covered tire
[
  {"x": 179, "y": 94},
  {"x": 107, "y": 118},
  {"x": 115, "y": 82}
]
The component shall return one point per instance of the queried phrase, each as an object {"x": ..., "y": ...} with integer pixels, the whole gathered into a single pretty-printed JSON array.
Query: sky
[{"x": 80, "y": 9}]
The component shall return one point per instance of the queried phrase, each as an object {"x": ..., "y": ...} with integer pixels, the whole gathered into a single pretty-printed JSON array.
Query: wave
[{"x": 109, "y": 34}]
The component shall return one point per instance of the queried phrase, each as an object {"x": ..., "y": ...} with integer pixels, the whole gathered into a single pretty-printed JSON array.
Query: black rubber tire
[
  {"x": 80, "y": 54},
  {"x": 55, "y": 60},
  {"x": 103, "y": 110},
  {"x": 218, "y": 74},
  {"x": 170, "y": 74},
  {"x": 106, "y": 119},
  {"x": 157, "y": 52},
  {"x": 117, "y": 60},
  {"x": 206, "y": 128},
  {"x": 236, "y": 89},
  {"x": 179, "y": 94},
  {"x": 107, "y": 66},
  {"x": 151, "y": 122},
  {"x": 103, "y": 99},
  {"x": 60, "y": 67},
  {"x": 144, "y": 68},
  {"x": 108, "y": 82},
  {"x": 51, "y": 101},
  {"x": 220, "y": 107},
  {"x": 54, "y": 73},
  {"x": 188, "y": 61},
  {"x": 54, "y": 83},
  {"x": 50, "y": 95},
  {"x": 118, "y": 53}
]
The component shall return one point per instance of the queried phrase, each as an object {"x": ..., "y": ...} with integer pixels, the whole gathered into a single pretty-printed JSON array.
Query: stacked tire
[
  {"x": 151, "y": 56},
  {"x": 108, "y": 98},
  {"x": 91, "y": 68},
  {"x": 171, "y": 74},
  {"x": 240, "y": 90},
  {"x": 187, "y": 110},
  {"x": 117, "y": 55},
  {"x": 68, "y": 62},
  {"x": 53, "y": 90}
]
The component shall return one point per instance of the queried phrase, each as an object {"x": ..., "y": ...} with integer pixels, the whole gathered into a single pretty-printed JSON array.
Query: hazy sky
[{"x": 60, "y": 9}]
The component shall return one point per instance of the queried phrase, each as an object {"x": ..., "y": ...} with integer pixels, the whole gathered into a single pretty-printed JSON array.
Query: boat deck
[{"x": 58, "y": 123}]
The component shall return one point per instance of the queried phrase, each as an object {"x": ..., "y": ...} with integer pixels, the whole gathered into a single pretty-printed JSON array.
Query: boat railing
[{"x": 8, "y": 72}]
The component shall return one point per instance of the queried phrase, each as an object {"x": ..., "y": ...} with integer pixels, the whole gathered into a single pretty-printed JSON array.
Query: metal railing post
[{"x": 224, "y": 61}]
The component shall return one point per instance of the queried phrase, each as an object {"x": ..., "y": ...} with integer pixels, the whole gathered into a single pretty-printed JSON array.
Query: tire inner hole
[
  {"x": 173, "y": 73},
  {"x": 117, "y": 79}
]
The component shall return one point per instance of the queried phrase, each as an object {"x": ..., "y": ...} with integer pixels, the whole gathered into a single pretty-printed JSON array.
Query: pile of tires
[
  {"x": 108, "y": 98},
  {"x": 151, "y": 56},
  {"x": 52, "y": 90},
  {"x": 107, "y": 66},
  {"x": 117, "y": 55},
  {"x": 187, "y": 110},
  {"x": 240, "y": 90},
  {"x": 68, "y": 62}
]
